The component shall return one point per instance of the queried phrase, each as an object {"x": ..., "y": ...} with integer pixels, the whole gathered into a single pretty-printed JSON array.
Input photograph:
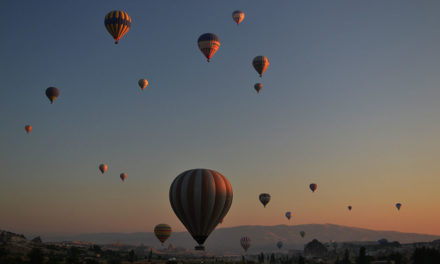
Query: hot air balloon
[
  {"x": 143, "y": 83},
  {"x": 238, "y": 16},
  {"x": 28, "y": 128},
  {"x": 313, "y": 187},
  {"x": 103, "y": 167},
  {"x": 288, "y": 215},
  {"x": 123, "y": 176},
  {"x": 52, "y": 93},
  {"x": 398, "y": 205},
  {"x": 349, "y": 207},
  {"x": 258, "y": 87},
  {"x": 264, "y": 198},
  {"x": 280, "y": 244},
  {"x": 260, "y": 64},
  {"x": 245, "y": 243},
  {"x": 117, "y": 23},
  {"x": 208, "y": 44},
  {"x": 200, "y": 198},
  {"x": 162, "y": 232},
  {"x": 302, "y": 233}
]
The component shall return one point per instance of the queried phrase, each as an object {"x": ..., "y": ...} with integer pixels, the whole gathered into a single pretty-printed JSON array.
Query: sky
[{"x": 349, "y": 101}]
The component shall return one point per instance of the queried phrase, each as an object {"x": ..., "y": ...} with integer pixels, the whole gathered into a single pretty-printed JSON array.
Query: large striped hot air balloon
[
  {"x": 200, "y": 198},
  {"x": 52, "y": 93},
  {"x": 264, "y": 198},
  {"x": 238, "y": 16},
  {"x": 118, "y": 23},
  {"x": 313, "y": 187},
  {"x": 208, "y": 44},
  {"x": 28, "y": 128},
  {"x": 245, "y": 243},
  {"x": 162, "y": 232},
  {"x": 260, "y": 64}
]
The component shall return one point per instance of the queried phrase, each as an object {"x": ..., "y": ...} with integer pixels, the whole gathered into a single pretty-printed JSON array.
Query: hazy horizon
[{"x": 349, "y": 101}]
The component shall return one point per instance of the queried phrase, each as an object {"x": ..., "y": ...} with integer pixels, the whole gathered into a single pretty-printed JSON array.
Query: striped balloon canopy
[
  {"x": 238, "y": 16},
  {"x": 162, "y": 232},
  {"x": 245, "y": 243},
  {"x": 208, "y": 44},
  {"x": 260, "y": 64},
  {"x": 200, "y": 198},
  {"x": 117, "y": 23}
]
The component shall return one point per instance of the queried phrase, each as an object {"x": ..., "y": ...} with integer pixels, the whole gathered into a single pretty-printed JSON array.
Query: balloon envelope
[
  {"x": 162, "y": 232},
  {"x": 245, "y": 243},
  {"x": 313, "y": 187},
  {"x": 143, "y": 83},
  {"x": 208, "y": 44},
  {"x": 280, "y": 244},
  {"x": 398, "y": 205},
  {"x": 238, "y": 16},
  {"x": 349, "y": 207},
  {"x": 117, "y": 23},
  {"x": 123, "y": 176},
  {"x": 28, "y": 128},
  {"x": 264, "y": 198},
  {"x": 103, "y": 167},
  {"x": 258, "y": 87},
  {"x": 52, "y": 93},
  {"x": 288, "y": 215},
  {"x": 200, "y": 198},
  {"x": 260, "y": 64},
  {"x": 302, "y": 233}
]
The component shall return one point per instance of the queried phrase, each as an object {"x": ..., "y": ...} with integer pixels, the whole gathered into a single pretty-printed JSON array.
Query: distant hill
[{"x": 264, "y": 238}]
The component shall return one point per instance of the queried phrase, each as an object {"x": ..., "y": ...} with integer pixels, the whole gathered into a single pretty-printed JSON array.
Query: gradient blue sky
[{"x": 350, "y": 101}]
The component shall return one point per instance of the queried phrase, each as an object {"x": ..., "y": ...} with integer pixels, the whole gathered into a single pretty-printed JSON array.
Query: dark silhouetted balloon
[
  {"x": 245, "y": 243},
  {"x": 288, "y": 215},
  {"x": 264, "y": 198},
  {"x": 398, "y": 205},
  {"x": 258, "y": 87},
  {"x": 52, "y": 93},
  {"x": 349, "y": 207},
  {"x": 123, "y": 176},
  {"x": 313, "y": 187},
  {"x": 208, "y": 44},
  {"x": 280, "y": 244},
  {"x": 117, "y": 23},
  {"x": 302, "y": 233},
  {"x": 200, "y": 198}
]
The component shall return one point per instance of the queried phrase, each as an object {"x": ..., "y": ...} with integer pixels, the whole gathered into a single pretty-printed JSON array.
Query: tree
[
  {"x": 261, "y": 258},
  {"x": 301, "y": 260},
  {"x": 150, "y": 256},
  {"x": 132, "y": 256},
  {"x": 346, "y": 259},
  {"x": 36, "y": 256},
  {"x": 426, "y": 256},
  {"x": 363, "y": 258}
]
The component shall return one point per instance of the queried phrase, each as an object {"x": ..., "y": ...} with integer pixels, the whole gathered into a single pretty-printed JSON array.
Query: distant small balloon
[
  {"x": 103, "y": 168},
  {"x": 260, "y": 64},
  {"x": 398, "y": 205},
  {"x": 143, "y": 83},
  {"x": 245, "y": 243},
  {"x": 123, "y": 176},
  {"x": 238, "y": 16},
  {"x": 162, "y": 232},
  {"x": 302, "y": 233},
  {"x": 258, "y": 87},
  {"x": 313, "y": 187},
  {"x": 28, "y": 128},
  {"x": 52, "y": 93},
  {"x": 280, "y": 244},
  {"x": 349, "y": 207},
  {"x": 288, "y": 215},
  {"x": 264, "y": 198}
]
